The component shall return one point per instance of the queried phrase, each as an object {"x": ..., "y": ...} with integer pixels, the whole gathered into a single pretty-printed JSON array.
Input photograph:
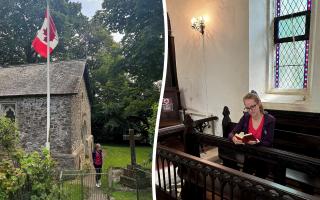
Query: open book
[{"x": 246, "y": 137}]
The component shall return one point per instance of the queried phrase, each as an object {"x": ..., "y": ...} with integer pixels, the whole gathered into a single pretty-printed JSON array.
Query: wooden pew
[
  {"x": 170, "y": 136},
  {"x": 198, "y": 124},
  {"x": 295, "y": 132},
  {"x": 298, "y": 132}
]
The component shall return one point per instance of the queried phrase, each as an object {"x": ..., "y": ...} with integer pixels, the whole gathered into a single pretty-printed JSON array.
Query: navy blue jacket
[{"x": 267, "y": 130}]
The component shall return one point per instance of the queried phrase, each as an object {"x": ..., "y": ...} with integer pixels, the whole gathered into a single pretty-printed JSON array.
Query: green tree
[
  {"x": 119, "y": 104},
  {"x": 20, "y": 20},
  {"x": 152, "y": 121},
  {"x": 100, "y": 40},
  {"x": 124, "y": 88},
  {"x": 141, "y": 22}
]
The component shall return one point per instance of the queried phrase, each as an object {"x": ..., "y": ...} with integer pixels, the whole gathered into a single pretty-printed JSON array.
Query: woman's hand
[{"x": 236, "y": 141}]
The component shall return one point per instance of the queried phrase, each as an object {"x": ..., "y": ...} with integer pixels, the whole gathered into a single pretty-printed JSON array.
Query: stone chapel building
[{"x": 23, "y": 92}]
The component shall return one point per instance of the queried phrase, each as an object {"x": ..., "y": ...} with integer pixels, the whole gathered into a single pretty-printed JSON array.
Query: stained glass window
[{"x": 291, "y": 39}]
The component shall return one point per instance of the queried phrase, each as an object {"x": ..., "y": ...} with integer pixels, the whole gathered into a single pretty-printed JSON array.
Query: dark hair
[{"x": 254, "y": 95}]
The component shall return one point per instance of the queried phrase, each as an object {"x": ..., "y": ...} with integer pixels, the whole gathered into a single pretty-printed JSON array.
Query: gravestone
[{"x": 134, "y": 172}]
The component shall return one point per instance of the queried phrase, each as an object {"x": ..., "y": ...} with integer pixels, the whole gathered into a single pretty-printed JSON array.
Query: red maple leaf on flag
[{"x": 45, "y": 33}]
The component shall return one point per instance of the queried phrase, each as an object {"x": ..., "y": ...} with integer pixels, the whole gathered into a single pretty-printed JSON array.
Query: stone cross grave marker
[
  {"x": 131, "y": 137},
  {"x": 132, "y": 177}
]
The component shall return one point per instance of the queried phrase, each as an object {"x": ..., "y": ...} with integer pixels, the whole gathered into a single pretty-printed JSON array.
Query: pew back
[{"x": 297, "y": 132}]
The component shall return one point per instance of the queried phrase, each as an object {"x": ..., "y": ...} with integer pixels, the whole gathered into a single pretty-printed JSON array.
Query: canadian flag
[{"x": 40, "y": 41}]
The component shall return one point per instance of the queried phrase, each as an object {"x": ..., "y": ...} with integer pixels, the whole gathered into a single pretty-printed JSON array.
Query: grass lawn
[
  {"x": 72, "y": 191},
  {"x": 119, "y": 156},
  {"x": 143, "y": 195}
]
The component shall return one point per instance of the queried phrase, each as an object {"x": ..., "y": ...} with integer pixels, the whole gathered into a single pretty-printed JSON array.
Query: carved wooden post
[
  {"x": 190, "y": 190},
  {"x": 226, "y": 126},
  {"x": 225, "y": 121},
  {"x": 190, "y": 141}
]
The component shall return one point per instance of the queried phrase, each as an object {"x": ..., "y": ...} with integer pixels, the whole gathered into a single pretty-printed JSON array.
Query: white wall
[
  {"x": 258, "y": 45},
  {"x": 315, "y": 88},
  {"x": 213, "y": 70}
]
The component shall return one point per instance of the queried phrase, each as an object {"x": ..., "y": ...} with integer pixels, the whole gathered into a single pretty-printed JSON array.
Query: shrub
[
  {"x": 19, "y": 169},
  {"x": 40, "y": 169},
  {"x": 11, "y": 179},
  {"x": 9, "y": 136}
]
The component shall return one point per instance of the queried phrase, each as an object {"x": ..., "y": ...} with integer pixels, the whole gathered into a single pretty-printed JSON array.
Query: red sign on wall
[{"x": 167, "y": 105}]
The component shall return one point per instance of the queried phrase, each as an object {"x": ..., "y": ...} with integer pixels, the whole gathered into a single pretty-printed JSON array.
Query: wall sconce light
[{"x": 197, "y": 23}]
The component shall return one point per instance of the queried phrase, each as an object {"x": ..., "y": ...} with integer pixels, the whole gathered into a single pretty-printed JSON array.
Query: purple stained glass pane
[
  {"x": 277, "y": 67},
  {"x": 306, "y": 64}
]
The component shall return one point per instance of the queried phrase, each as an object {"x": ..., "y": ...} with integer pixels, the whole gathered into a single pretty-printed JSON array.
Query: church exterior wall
[
  {"x": 70, "y": 116},
  {"x": 31, "y": 118},
  {"x": 82, "y": 140}
]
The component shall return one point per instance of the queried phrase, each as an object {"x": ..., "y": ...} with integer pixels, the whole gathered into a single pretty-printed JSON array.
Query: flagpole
[{"x": 48, "y": 77}]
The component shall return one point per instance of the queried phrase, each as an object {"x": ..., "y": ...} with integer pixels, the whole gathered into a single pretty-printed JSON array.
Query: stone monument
[{"x": 134, "y": 172}]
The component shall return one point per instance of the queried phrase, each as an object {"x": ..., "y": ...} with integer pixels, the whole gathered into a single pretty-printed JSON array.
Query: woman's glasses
[{"x": 247, "y": 109}]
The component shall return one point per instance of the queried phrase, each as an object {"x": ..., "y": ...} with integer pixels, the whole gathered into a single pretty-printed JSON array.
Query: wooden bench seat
[{"x": 306, "y": 182}]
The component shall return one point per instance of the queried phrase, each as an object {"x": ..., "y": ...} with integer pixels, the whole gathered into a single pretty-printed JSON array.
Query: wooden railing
[{"x": 183, "y": 176}]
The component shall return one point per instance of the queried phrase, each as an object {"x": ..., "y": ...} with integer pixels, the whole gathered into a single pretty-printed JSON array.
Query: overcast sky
[{"x": 89, "y": 7}]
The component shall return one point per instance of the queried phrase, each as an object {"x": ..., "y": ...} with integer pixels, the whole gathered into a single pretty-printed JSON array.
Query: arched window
[{"x": 8, "y": 110}]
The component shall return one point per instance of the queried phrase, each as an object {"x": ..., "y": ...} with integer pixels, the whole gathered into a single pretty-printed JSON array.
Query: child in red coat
[{"x": 97, "y": 163}]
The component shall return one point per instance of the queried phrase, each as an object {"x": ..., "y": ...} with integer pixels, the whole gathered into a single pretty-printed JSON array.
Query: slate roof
[{"x": 25, "y": 80}]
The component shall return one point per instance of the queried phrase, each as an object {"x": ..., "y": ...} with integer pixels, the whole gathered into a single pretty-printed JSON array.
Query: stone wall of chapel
[{"x": 31, "y": 119}]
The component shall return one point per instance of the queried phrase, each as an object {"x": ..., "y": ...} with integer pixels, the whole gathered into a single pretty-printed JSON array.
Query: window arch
[{"x": 8, "y": 110}]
